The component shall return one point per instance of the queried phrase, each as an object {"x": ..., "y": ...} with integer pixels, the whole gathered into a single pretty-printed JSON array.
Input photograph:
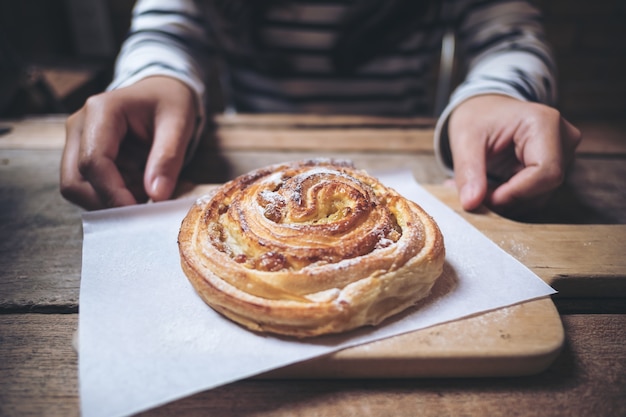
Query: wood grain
[
  {"x": 359, "y": 139},
  {"x": 577, "y": 260},
  {"x": 519, "y": 340},
  {"x": 288, "y": 131},
  {"x": 41, "y": 233},
  {"x": 38, "y": 376},
  {"x": 35, "y": 133},
  {"x": 323, "y": 121},
  {"x": 602, "y": 138},
  {"x": 38, "y": 370}
]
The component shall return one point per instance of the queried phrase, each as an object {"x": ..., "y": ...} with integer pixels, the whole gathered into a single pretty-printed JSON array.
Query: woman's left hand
[{"x": 526, "y": 147}]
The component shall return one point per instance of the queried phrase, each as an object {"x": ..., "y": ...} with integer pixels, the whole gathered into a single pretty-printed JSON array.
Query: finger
[
  {"x": 541, "y": 155},
  {"x": 173, "y": 131},
  {"x": 470, "y": 173},
  {"x": 527, "y": 188},
  {"x": 73, "y": 186},
  {"x": 105, "y": 128}
]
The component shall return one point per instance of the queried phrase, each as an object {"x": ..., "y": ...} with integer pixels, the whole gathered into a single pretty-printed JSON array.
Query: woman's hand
[
  {"x": 125, "y": 146},
  {"x": 526, "y": 147}
]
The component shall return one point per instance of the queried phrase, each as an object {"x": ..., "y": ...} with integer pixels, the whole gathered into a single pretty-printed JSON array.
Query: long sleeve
[
  {"x": 166, "y": 38},
  {"x": 505, "y": 52}
]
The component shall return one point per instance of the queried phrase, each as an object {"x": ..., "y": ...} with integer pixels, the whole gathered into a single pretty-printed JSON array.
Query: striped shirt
[{"x": 501, "y": 41}]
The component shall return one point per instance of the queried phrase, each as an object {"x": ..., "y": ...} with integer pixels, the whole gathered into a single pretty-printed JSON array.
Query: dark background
[{"x": 55, "y": 53}]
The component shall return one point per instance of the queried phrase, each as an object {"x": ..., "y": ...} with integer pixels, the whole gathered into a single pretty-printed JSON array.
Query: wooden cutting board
[
  {"x": 576, "y": 260},
  {"x": 519, "y": 340}
]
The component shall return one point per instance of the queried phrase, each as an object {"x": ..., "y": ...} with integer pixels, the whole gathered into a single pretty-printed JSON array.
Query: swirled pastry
[{"x": 309, "y": 248}]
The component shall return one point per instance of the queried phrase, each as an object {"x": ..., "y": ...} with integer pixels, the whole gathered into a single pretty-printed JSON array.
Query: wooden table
[{"x": 40, "y": 261}]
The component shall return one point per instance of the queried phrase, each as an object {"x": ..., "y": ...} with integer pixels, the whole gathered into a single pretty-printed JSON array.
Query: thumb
[{"x": 172, "y": 134}]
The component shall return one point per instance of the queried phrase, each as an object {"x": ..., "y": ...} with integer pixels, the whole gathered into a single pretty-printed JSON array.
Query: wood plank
[
  {"x": 315, "y": 132},
  {"x": 602, "y": 138},
  {"x": 320, "y": 120},
  {"x": 38, "y": 370},
  {"x": 271, "y": 132},
  {"x": 41, "y": 233},
  {"x": 337, "y": 139},
  {"x": 35, "y": 133},
  {"x": 279, "y": 131},
  {"x": 514, "y": 341},
  {"x": 38, "y": 376}
]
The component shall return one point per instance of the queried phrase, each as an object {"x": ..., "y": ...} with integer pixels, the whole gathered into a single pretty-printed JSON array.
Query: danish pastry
[{"x": 309, "y": 248}]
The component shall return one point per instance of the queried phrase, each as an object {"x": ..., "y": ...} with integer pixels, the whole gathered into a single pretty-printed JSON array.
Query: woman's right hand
[{"x": 128, "y": 145}]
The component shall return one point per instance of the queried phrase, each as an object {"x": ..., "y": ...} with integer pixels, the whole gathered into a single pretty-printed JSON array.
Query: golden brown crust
[{"x": 309, "y": 248}]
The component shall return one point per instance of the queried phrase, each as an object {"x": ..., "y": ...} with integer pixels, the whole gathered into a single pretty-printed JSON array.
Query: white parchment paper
[{"x": 146, "y": 338}]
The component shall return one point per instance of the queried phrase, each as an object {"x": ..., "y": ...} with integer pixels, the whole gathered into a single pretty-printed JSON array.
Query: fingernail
[
  {"x": 161, "y": 188},
  {"x": 468, "y": 195}
]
